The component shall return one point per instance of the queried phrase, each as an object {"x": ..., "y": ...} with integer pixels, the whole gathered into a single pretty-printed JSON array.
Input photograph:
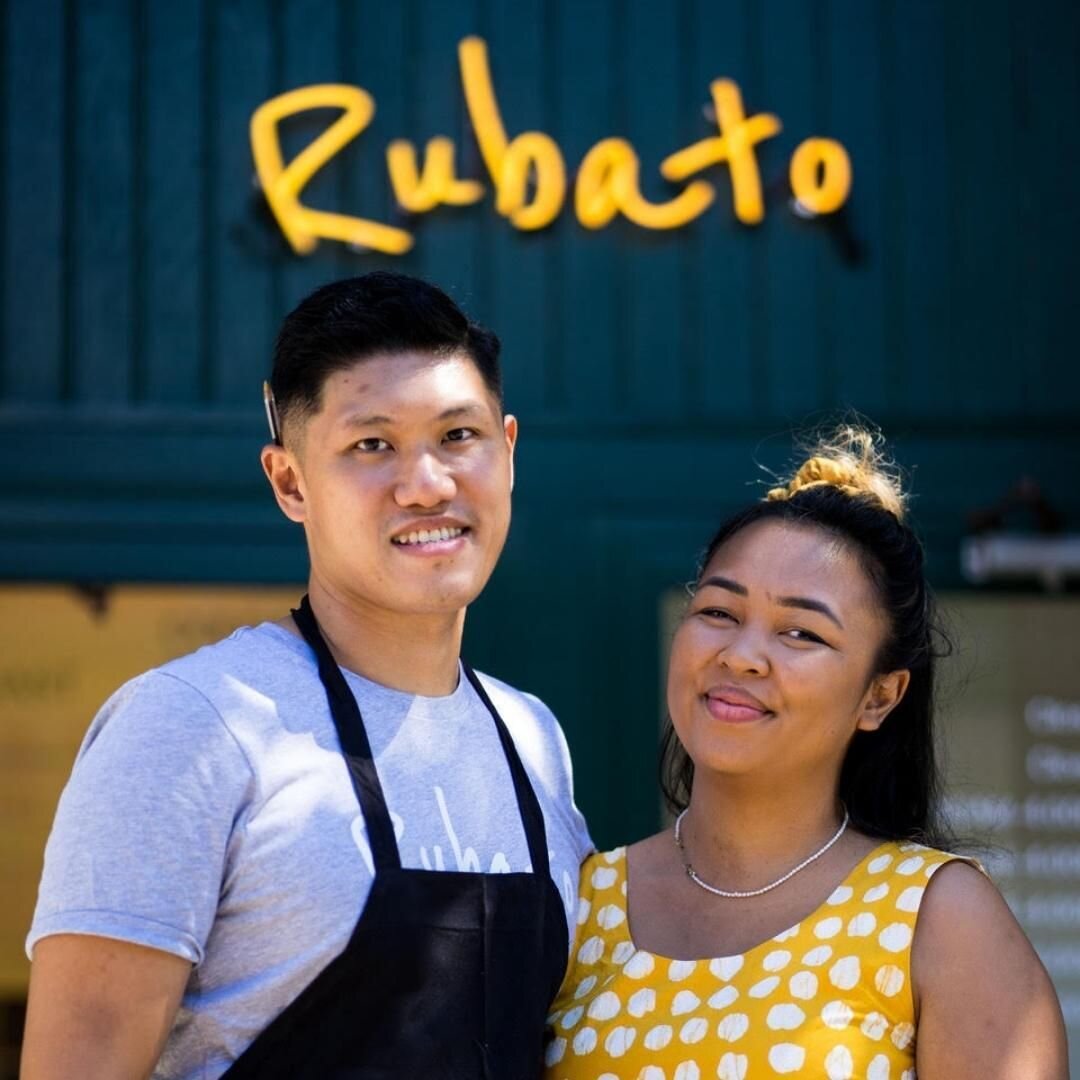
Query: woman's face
[{"x": 772, "y": 667}]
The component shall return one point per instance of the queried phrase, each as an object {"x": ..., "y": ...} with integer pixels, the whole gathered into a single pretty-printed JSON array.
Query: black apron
[{"x": 446, "y": 974}]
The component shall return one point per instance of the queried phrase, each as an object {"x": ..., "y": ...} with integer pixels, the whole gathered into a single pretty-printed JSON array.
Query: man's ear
[
  {"x": 510, "y": 431},
  {"x": 283, "y": 472},
  {"x": 883, "y": 695}
]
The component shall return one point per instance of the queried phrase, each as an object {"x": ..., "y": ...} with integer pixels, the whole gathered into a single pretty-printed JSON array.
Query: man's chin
[{"x": 445, "y": 597}]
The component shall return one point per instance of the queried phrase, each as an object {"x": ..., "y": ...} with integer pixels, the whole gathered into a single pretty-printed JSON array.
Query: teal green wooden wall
[{"x": 141, "y": 281}]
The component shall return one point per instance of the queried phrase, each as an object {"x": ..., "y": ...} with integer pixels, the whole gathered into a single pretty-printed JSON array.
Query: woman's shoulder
[{"x": 908, "y": 859}]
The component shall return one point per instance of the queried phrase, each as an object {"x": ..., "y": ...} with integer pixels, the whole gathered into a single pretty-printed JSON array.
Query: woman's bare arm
[{"x": 986, "y": 1007}]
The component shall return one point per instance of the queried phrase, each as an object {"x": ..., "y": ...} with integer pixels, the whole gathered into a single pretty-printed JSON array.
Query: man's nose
[{"x": 424, "y": 480}]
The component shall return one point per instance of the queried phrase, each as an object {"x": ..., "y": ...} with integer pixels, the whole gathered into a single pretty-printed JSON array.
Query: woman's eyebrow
[
  {"x": 725, "y": 583},
  {"x": 803, "y": 602},
  {"x": 807, "y": 604}
]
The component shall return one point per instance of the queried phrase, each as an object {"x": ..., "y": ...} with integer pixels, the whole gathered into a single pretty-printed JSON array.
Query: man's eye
[
  {"x": 372, "y": 445},
  {"x": 460, "y": 434}
]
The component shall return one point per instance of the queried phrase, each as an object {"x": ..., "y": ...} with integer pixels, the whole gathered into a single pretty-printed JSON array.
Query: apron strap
[
  {"x": 354, "y": 744},
  {"x": 532, "y": 817}
]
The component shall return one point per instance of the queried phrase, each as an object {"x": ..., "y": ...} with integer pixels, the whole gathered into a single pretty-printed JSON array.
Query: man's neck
[{"x": 417, "y": 654}]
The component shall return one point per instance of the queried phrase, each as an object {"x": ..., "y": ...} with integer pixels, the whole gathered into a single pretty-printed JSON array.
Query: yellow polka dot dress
[{"x": 830, "y": 997}]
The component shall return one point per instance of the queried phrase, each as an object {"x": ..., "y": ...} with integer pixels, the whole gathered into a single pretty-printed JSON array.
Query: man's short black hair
[{"x": 361, "y": 317}]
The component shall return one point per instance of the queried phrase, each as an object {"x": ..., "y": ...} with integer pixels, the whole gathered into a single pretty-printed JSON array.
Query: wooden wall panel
[
  {"x": 33, "y": 225},
  {"x": 142, "y": 281}
]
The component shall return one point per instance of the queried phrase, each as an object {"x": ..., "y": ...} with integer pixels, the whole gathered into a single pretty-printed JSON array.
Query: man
[{"x": 309, "y": 849}]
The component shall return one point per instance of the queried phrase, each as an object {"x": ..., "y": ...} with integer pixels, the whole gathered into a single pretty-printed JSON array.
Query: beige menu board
[
  {"x": 1011, "y": 734},
  {"x": 62, "y": 652},
  {"x": 1009, "y": 726}
]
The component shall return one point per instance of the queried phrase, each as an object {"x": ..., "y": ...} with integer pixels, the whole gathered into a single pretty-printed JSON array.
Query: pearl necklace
[{"x": 691, "y": 873}]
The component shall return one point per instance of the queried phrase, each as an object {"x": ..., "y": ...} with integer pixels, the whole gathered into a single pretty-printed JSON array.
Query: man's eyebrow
[
  {"x": 362, "y": 420},
  {"x": 725, "y": 583},
  {"x": 807, "y": 604},
  {"x": 469, "y": 409},
  {"x": 357, "y": 420}
]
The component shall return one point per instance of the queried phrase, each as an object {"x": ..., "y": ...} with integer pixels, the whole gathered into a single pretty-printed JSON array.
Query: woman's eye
[
  {"x": 460, "y": 434},
  {"x": 798, "y": 634},
  {"x": 372, "y": 445},
  {"x": 716, "y": 613}
]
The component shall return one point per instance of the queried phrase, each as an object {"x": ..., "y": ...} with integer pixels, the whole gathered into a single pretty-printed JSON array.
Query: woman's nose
[{"x": 744, "y": 653}]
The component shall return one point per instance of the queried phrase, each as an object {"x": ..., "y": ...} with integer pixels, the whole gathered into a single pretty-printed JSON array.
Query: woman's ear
[{"x": 883, "y": 695}]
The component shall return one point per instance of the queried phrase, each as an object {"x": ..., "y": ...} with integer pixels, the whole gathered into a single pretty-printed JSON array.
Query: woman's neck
[{"x": 739, "y": 835}]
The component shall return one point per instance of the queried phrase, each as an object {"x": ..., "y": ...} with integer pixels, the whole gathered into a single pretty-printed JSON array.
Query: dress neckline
[{"x": 791, "y": 932}]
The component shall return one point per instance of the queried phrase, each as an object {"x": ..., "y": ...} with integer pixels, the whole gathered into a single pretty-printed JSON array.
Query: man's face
[{"x": 402, "y": 482}]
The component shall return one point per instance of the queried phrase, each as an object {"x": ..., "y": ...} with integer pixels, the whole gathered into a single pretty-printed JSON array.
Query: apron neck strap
[
  {"x": 354, "y": 744},
  {"x": 532, "y": 818},
  {"x": 365, "y": 779}
]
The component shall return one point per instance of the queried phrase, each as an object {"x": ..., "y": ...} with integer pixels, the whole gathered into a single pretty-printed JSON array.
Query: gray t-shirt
[{"x": 210, "y": 814}]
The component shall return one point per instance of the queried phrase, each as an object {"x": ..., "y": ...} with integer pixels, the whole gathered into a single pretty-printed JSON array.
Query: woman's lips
[{"x": 732, "y": 712}]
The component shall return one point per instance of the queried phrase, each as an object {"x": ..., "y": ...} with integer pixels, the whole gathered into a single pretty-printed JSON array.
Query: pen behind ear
[{"x": 272, "y": 414}]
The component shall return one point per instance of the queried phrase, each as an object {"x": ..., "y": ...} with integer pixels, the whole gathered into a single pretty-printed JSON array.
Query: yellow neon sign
[
  {"x": 528, "y": 171},
  {"x": 283, "y": 183},
  {"x": 826, "y": 194},
  {"x": 735, "y": 145}
]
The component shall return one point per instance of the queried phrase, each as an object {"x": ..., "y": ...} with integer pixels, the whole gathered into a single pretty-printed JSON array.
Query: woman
[{"x": 799, "y": 918}]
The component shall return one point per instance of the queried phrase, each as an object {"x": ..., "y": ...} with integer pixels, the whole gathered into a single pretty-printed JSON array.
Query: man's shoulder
[
  {"x": 536, "y": 732},
  {"x": 250, "y": 655},
  {"x": 518, "y": 707},
  {"x": 245, "y": 675}
]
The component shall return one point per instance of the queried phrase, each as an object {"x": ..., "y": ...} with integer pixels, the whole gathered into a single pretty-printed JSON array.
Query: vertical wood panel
[
  {"x": 719, "y": 288},
  {"x": 979, "y": 110},
  {"x": 172, "y": 140},
  {"x": 653, "y": 71},
  {"x": 855, "y": 349},
  {"x": 920, "y": 138},
  {"x": 447, "y": 238},
  {"x": 795, "y": 368},
  {"x": 309, "y": 35},
  {"x": 33, "y": 128},
  {"x": 374, "y": 55},
  {"x": 586, "y": 352},
  {"x": 1047, "y": 142},
  {"x": 519, "y": 278},
  {"x": 102, "y": 228},
  {"x": 242, "y": 246}
]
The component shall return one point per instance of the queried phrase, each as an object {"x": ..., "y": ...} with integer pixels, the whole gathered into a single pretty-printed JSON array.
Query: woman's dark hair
[
  {"x": 358, "y": 318},
  {"x": 889, "y": 780}
]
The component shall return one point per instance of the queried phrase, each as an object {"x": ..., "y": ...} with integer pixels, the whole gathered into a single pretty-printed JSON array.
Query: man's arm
[{"x": 99, "y": 1008}]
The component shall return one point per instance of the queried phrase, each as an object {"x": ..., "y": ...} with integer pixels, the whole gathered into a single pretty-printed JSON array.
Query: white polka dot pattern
[
  {"x": 838, "y": 1064},
  {"x": 685, "y": 1001},
  {"x": 878, "y": 1069},
  {"x": 827, "y": 997},
  {"x": 803, "y": 985},
  {"x": 817, "y": 957},
  {"x": 724, "y": 997},
  {"x": 786, "y": 1057},
  {"x": 777, "y": 960},
  {"x": 785, "y": 1017},
  {"x": 733, "y": 1067},
  {"x": 659, "y": 1036}
]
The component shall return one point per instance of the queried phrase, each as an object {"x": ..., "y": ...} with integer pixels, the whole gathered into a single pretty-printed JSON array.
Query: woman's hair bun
[{"x": 851, "y": 459}]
